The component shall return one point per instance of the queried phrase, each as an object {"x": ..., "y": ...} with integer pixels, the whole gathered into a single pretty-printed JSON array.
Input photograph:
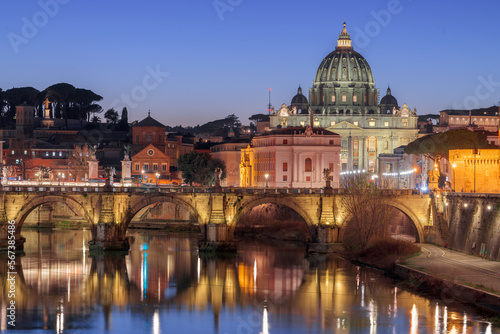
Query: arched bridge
[{"x": 217, "y": 210}]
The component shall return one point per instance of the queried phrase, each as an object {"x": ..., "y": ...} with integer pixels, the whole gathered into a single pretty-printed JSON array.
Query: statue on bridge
[
  {"x": 126, "y": 154},
  {"x": 218, "y": 174},
  {"x": 93, "y": 150}
]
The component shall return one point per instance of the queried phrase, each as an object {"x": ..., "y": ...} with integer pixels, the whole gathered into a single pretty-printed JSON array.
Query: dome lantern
[{"x": 344, "y": 41}]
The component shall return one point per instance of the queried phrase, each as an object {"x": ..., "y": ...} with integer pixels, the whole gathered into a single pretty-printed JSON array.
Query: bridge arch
[
  {"x": 415, "y": 221},
  {"x": 247, "y": 206},
  {"x": 29, "y": 206},
  {"x": 147, "y": 201}
]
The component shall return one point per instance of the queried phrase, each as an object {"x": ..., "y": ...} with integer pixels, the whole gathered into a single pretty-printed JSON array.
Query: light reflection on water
[{"x": 164, "y": 286}]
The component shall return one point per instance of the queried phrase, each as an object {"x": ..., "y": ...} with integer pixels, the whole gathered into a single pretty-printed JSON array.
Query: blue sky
[{"x": 190, "y": 62}]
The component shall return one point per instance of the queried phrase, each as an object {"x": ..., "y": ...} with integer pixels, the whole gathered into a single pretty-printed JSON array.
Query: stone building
[
  {"x": 294, "y": 157},
  {"x": 344, "y": 100},
  {"x": 230, "y": 153},
  {"x": 475, "y": 170}
]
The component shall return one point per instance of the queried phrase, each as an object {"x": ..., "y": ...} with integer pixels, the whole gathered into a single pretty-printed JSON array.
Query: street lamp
[
  {"x": 157, "y": 179},
  {"x": 142, "y": 180},
  {"x": 267, "y": 178}
]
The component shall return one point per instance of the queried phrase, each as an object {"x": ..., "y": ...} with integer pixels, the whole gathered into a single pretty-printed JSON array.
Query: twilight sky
[{"x": 190, "y": 62}]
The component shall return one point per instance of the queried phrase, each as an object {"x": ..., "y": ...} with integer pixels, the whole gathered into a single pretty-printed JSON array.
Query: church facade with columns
[{"x": 344, "y": 100}]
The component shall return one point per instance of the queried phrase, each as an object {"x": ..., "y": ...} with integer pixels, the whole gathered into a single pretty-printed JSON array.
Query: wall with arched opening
[
  {"x": 148, "y": 201},
  {"x": 246, "y": 207},
  {"x": 28, "y": 207}
]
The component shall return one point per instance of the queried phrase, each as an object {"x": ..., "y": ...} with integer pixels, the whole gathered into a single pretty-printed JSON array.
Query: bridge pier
[
  {"x": 108, "y": 235},
  {"x": 218, "y": 235},
  {"x": 324, "y": 239},
  {"x": 218, "y": 239}
]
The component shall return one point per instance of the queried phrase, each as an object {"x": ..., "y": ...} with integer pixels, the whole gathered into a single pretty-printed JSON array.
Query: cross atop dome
[{"x": 344, "y": 41}]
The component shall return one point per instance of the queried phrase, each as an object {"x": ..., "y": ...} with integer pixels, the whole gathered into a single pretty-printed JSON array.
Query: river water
[{"x": 164, "y": 286}]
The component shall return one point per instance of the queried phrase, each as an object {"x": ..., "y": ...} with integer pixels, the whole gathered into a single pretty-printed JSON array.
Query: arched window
[
  {"x": 308, "y": 167},
  {"x": 149, "y": 137}
]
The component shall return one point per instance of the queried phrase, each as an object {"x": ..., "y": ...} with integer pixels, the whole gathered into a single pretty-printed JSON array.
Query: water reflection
[{"x": 164, "y": 284}]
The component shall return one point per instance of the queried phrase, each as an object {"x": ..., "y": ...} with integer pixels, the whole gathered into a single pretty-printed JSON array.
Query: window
[
  {"x": 284, "y": 178},
  {"x": 159, "y": 138},
  {"x": 25, "y": 152},
  {"x": 386, "y": 123},
  {"x": 12, "y": 152},
  {"x": 146, "y": 167},
  {"x": 308, "y": 178},
  {"x": 60, "y": 154},
  {"x": 333, "y": 98},
  {"x": 149, "y": 138},
  {"x": 53, "y": 154},
  {"x": 316, "y": 123},
  {"x": 164, "y": 167},
  {"x": 285, "y": 141},
  {"x": 388, "y": 168},
  {"x": 332, "y": 123},
  {"x": 344, "y": 98},
  {"x": 155, "y": 167},
  {"x": 356, "y": 145},
  {"x": 354, "y": 99},
  {"x": 371, "y": 123},
  {"x": 404, "y": 122},
  {"x": 137, "y": 167},
  {"x": 302, "y": 123},
  {"x": 46, "y": 154},
  {"x": 331, "y": 142},
  {"x": 308, "y": 166},
  {"x": 285, "y": 167},
  {"x": 356, "y": 123},
  {"x": 136, "y": 138}
]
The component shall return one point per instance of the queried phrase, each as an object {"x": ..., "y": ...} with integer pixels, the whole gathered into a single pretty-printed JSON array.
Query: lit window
[
  {"x": 371, "y": 123},
  {"x": 344, "y": 98},
  {"x": 404, "y": 122},
  {"x": 46, "y": 154},
  {"x": 356, "y": 123},
  {"x": 60, "y": 154},
  {"x": 53, "y": 154},
  {"x": 12, "y": 152},
  {"x": 354, "y": 98},
  {"x": 302, "y": 123},
  {"x": 332, "y": 123},
  {"x": 333, "y": 98},
  {"x": 25, "y": 152},
  {"x": 316, "y": 123},
  {"x": 386, "y": 123}
]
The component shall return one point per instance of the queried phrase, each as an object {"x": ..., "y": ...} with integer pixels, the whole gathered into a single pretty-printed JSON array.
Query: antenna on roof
[{"x": 269, "y": 105}]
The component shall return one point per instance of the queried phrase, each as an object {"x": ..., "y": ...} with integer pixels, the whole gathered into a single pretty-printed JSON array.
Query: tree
[
  {"x": 199, "y": 168},
  {"x": 440, "y": 144},
  {"x": 79, "y": 161},
  {"x": 62, "y": 94},
  {"x": 259, "y": 118},
  {"x": 123, "y": 123},
  {"x": 366, "y": 212},
  {"x": 111, "y": 116}
]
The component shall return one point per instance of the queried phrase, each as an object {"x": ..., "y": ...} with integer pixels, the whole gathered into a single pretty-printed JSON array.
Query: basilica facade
[{"x": 344, "y": 100}]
